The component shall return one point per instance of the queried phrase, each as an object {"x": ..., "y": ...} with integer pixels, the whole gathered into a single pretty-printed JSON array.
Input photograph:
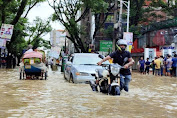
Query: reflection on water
[{"x": 149, "y": 96}]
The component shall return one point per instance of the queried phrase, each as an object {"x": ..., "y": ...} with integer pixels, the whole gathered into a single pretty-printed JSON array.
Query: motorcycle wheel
[
  {"x": 93, "y": 85},
  {"x": 65, "y": 76},
  {"x": 117, "y": 90},
  {"x": 103, "y": 89},
  {"x": 94, "y": 88}
]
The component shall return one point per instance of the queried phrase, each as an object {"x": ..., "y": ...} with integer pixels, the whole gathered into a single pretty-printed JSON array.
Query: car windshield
[{"x": 87, "y": 60}]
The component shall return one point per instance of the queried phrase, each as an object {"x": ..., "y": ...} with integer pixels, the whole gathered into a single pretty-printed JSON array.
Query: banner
[
  {"x": 57, "y": 49},
  {"x": 2, "y": 43},
  {"x": 128, "y": 36},
  {"x": 129, "y": 48},
  {"x": 54, "y": 54},
  {"x": 6, "y": 31}
]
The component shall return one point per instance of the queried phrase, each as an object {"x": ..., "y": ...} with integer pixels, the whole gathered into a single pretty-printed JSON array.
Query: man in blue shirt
[
  {"x": 118, "y": 57},
  {"x": 174, "y": 64},
  {"x": 142, "y": 64}
]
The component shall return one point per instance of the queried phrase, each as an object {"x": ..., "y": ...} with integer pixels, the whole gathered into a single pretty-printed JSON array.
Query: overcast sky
[{"x": 43, "y": 11}]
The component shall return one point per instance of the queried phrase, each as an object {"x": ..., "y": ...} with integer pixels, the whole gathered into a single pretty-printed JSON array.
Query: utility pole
[
  {"x": 128, "y": 15},
  {"x": 115, "y": 27},
  {"x": 91, "y": 26},
  {"x": 120, "y": 21}
]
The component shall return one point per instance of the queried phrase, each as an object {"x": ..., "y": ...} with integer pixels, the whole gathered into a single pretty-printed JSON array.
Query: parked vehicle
[
  {"x": 33, "y": 66},
  {"x": 80, "y": 67},
  {"x": 107, "y": 79}
]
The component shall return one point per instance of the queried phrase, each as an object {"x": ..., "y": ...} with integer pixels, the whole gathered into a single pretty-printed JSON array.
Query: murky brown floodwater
[{"x": 149, "y": 96}]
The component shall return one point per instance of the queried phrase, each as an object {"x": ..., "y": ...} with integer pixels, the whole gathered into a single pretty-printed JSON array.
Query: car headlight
[
  {"x": 82, "y": 74},
  {"x": 105, "y": 73}
]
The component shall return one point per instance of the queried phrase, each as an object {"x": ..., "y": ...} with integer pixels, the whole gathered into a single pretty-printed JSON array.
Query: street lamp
[
  {"x": 127, "y": 4},
  {"x": 119, "y": 24}
]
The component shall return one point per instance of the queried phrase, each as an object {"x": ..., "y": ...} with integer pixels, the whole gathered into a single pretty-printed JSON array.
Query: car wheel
[
  {"x": 71, "y": 79},
  {"x": 64, "y": 75}
]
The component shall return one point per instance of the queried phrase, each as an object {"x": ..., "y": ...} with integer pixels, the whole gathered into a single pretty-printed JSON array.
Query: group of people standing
[{"x": 162, "y": 66}]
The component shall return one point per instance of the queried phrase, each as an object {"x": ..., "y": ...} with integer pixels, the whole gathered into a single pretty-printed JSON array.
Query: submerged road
[{"x": 149, "y": 96}]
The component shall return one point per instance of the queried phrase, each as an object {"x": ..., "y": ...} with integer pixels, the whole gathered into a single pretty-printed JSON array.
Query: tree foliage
[
  {"x": 15, "y": 12},
  {"x": 36, "y": 30},
  {"x": 143, "y": 14},
  {"x": 100, "y": 17},
  {"x": 71, "y": 12}
]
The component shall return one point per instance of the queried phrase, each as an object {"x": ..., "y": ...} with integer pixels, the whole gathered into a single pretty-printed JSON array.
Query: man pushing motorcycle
[{"x": 119, "y": 57}]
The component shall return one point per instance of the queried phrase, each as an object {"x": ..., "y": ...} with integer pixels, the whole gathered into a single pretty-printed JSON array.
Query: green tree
[
  {"x": 141, "y": 14},
  {"x": 38, "y": 29},
  {"x": 170, "y": 8},
  {"x": 70, "y": 12},
  {"x": 11, "y": 13},
  {"x": 101, "y": 16},
  {"x": 109, "y": 32},
  {"x": 136, "y": 11}
]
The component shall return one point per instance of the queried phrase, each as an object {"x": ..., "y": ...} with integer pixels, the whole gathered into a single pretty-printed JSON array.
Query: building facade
[{"x": 160, "y": 36}]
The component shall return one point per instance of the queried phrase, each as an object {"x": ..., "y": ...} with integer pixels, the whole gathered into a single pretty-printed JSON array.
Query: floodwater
[{"x": 149, "y": 96}]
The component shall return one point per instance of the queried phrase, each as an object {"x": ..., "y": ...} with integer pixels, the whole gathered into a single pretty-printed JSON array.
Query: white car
[{"x": 80, "y": 68}]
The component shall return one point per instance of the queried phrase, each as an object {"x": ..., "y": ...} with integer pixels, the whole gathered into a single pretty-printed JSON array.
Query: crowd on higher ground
[{"x": 160, "y": 66}]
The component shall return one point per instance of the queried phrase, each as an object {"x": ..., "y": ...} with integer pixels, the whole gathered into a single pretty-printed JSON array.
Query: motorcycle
[{"x": 108, "y": 79}]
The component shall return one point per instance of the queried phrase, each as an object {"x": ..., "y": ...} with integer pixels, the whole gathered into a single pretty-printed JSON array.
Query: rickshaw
[{"x": 33, "y": 66}]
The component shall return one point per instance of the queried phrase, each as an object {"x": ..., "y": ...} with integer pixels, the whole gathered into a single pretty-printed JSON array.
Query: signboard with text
[{"x": 105, "y": 46}]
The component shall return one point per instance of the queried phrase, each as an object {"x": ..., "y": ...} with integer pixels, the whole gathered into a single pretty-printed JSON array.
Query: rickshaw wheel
[
  {"x": 20, "y": 75},
  {"x": 23, "y": 75}
]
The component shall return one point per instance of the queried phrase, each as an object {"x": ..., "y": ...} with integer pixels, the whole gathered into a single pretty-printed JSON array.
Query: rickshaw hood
[{"x": 32, "y": 54}]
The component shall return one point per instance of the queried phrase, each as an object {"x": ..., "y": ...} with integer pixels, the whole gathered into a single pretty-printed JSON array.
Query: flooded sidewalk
[{"x": 149, "y": 96}]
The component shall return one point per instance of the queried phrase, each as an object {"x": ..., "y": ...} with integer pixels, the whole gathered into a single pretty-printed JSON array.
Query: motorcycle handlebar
[{"x": 106, "y": 65}]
